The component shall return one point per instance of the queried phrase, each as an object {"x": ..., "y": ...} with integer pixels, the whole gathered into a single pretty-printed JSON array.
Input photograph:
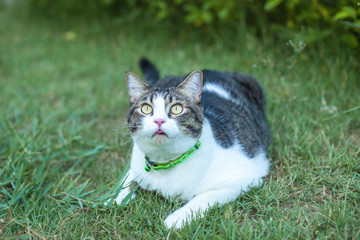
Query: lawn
[{"x": 64, "y": 144}]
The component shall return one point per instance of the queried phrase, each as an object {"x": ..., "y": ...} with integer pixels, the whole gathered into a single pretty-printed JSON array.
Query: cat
[{"x": 215, "y": 119}]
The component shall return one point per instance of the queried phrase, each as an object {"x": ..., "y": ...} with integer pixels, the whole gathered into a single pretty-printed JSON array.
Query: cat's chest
[
  {"x": 182, "y": 180},
  {"x": 210, "y": 167},
  {"x": 185, "y": 179}
]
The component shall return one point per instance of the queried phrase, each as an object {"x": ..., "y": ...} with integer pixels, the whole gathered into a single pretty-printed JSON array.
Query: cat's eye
[
  {"x": 176, "y": 109},
  {"x": 146, "y": 109}
]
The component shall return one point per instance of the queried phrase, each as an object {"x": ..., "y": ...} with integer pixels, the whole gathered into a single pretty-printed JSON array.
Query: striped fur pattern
[
  {"x": 225, "y": 111},
  {"x": 190, "y": 122}
]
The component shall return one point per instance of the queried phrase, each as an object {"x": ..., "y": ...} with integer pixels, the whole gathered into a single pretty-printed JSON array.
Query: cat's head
[{"x": 165, "y": 119}]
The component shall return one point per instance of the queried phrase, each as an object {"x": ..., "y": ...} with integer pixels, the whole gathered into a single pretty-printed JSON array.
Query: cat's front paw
[
  {"x": 120, "y": 199},
  {"x": 176, "y": 220},
  {"x": 123, "y": 198}
]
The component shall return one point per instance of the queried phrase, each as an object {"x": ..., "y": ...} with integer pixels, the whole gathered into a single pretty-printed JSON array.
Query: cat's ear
[
  {"x": 192, "y": 85},
  {"x": 136, "y": 86}
]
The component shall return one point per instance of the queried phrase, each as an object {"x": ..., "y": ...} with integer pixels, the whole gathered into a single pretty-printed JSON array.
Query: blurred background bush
[{"x": 275, "y": 18}]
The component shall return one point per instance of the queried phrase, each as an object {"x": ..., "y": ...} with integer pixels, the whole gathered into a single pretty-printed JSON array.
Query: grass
[{"x": 64, "y": 144}]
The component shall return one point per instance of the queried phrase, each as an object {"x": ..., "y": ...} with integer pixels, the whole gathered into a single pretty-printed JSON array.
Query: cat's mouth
[{"x": 159, "y": 132}]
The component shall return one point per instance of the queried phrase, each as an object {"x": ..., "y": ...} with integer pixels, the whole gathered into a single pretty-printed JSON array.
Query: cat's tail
[{"x": 150, "y": 72}]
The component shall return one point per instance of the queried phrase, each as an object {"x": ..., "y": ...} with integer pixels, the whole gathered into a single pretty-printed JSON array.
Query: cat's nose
[{"x": 159, "y": 122}]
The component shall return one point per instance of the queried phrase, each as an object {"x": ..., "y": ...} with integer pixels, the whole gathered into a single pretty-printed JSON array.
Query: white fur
[
  {"x": 211, "y": 175},
  {"x": 220, "y": 91}
]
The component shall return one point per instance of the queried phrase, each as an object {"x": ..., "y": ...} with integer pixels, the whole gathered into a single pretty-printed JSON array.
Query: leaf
[
  {"x": 207, "y": 17},
  {"x": 346, "y": 12},
  {"x": 224, "y": 13},
  {"x": 271, "y": 4},
  {"x": 350, "y": 10},
  {"x": 341, "y": 15},
  {"x": 350, "y": 24}
]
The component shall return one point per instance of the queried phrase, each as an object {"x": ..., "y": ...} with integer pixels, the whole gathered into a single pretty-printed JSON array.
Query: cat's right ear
[{"x": 136, "y": 86}]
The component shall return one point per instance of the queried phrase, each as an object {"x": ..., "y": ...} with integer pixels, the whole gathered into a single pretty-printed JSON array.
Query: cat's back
[
  {"x": 234, "y": 87},
  {"x": 234, "y": 104},
  {"x": 229, "y": 85}
]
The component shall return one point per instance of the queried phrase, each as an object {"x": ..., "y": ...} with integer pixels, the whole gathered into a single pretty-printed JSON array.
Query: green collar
[{"x": 157, "y": 166}]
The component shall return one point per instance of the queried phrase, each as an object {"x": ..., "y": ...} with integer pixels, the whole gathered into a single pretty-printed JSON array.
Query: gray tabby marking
[
  {"x": 189, "y": 123},
  {"x": 240, "y": 119}
]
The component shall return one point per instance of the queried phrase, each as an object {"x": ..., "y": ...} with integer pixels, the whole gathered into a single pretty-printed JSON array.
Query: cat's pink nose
[{"x": 159, "y": 122}]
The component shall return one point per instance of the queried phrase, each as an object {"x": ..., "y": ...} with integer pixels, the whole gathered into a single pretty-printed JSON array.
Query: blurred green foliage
[
  {"x": 270, "y": 16},
  {"x": 310, "y": 14}
]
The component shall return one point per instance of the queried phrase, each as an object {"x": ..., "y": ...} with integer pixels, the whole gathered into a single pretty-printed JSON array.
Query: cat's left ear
[
  {"x": 192, "y": 85},
  {"x": 136, "y": 86}
]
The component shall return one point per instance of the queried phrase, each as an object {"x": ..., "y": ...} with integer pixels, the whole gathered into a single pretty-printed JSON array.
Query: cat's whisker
[
  {"x": 122, "y": 127},
  {"x": 126, "y": 141}
]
